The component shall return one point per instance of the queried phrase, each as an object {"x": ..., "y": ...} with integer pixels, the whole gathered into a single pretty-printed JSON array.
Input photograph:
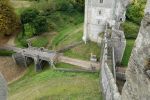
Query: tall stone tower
[{"x": 98, "y": 14}]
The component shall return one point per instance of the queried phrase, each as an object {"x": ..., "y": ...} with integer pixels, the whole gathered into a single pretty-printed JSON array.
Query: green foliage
[
  {"x": 40, "y": 42},
  {"x": 37, "y": 23},
  {"x": 70, "y": 6},
  {"x": 66, "y": 6},
  {"x": 29, "y": 30},
  {"x": 78, "y": 4},
  {"x": 40, "y": 24},
  {"x": 9, "y": 22},
  {"x": 23, "y": 42},
  {"x": 6, "y": 53},
  {"x": 135, "y": 11},
  {"x": 51, "y": 14},
  {"x": 28, "y": 15},
  {"x": 131, "y": 30}
]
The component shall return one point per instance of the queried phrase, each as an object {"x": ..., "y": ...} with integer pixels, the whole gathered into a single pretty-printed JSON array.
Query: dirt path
[
  {"x": 20, "y": 4},
  {"x": 11, "y": 41},
  {"x": 81, "y": 63},
  {"x": 9, "y": 69}
]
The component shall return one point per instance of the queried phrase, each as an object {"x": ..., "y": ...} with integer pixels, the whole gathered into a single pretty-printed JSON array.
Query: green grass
[
  {"x": 127, "y": 53},
  {"x": 68, "y": 35},
  {"x": 84, "y": 51},
  {"x": 18, "y": 11},
  {"x": 131, "y": 29},
  {"x": 68, "y": 66},
  {"x": 71, "y": 35},
  {"x": 6, "y": 53},
  {"x": 40, "y": 42},
  {"x": 55, "y": 85}
]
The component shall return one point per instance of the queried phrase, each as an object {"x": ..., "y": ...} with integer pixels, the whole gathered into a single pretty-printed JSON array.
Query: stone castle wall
[
  {"x": 3, "y": 88},
  {"x": 137, "y": 86},
  {"x": 96, "y": 15}
]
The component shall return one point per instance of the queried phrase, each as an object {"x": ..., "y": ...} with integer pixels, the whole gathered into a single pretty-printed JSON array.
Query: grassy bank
[
  {"x": 55, "y": 85},
  {"x": 84, "y": 51},
  {"x": 128, "y": 50}
]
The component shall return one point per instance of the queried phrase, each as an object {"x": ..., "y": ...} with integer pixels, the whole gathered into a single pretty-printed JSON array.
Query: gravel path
[{"x": 81, "y": 63}]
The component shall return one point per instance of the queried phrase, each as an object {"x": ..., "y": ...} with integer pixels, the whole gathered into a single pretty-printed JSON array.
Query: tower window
[
  {"x": 101, "y": 1},
  {"x": 100, "y": 12},
  {"x": 98, "y": 22}
]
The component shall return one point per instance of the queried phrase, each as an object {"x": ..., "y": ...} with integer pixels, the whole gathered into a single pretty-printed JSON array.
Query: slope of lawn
[
  {"x": 55, "y": 85},
  {"x": 73, "y": 34},
  {"x": 128, "y": 50},
  {"x": 84, "y": 51}
]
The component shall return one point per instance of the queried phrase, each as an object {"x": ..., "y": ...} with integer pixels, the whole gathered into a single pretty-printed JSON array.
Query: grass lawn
[
  {"x": 71, "y": 35},
  {"x": 68, "y": 35},
  {"x": 67, "y": 66},
  {"x": 56, "y": 85},
  {"x": 127, "y": 53},
  {"x": 84, "y": 51},
  {"x": 40, "y": 42}
]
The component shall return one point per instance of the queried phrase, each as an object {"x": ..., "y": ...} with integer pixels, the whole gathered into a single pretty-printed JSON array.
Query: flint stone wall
[{"x": 137, "y": 86}]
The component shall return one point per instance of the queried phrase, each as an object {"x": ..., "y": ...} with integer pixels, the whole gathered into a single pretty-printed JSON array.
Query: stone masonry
[
  {"x": 137, "y": 86},
  {"x": 3, "y": 88},
  {"x": 98, "y": 13}
]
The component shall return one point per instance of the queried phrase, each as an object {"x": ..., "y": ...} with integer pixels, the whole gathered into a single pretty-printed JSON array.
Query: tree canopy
[
  {"x": 9, "y": 22},
  {"x": 32, "y": 18},
  {"x": 135, "y": 11}
]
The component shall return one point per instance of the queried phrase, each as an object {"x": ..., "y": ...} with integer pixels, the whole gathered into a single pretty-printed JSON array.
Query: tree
[
  {"x": 40, "y": 24},
  {"x": 34, "y": 20},
  {"x": 135, "y": 11},
  {"x": 9, "y": 22},
  {"x": 27, "y": 16}
]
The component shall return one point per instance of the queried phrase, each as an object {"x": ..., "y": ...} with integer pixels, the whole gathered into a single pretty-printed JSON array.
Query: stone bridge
[
  {"x": 40, "y": 56},
  {"x": 24, "y": 56}
]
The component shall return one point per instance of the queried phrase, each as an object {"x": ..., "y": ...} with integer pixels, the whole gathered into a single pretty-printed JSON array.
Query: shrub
[
  {"x": 40, "y": 25},
  {"x": 28, "y": 15},
  {"x": 34, "y": 22},
  {"x": 131, "y": 30},
  {"x": 66, "y": 6},
  {"x": 9, "y": 22},
  {"x": 135, "y": 11},
  {"x": 23, "y": 43}
]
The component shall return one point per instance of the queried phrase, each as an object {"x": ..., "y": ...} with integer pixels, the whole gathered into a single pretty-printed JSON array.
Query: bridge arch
[
  {"x": 29, "y": 60},
  {"x": 44, "y": 64}
]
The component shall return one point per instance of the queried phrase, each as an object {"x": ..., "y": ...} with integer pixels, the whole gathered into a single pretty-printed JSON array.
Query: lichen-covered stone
[{"x": 137, "y": 86}]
